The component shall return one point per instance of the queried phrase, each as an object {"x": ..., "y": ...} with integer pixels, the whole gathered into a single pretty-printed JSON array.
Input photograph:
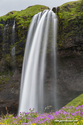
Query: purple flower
[
  {"x": 72, "y": 113},
  {"x": 14, "y": 121},
  {"x": 24, "y": 123},
  {"x": 81, "y": 114}
]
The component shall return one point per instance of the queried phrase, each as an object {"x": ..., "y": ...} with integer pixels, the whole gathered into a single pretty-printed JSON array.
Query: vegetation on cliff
[
  {"x": 70, "y": 25},
  {"x": 23, "y": 17},
  {"x": 22, "y": 21}
]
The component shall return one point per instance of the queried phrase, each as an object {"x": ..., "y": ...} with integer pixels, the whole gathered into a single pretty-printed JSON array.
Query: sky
[{"x": 10, "y": 5}]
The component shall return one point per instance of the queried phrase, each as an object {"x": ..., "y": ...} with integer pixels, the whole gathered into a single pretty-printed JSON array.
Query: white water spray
[
  {"x": 34, "y": 64},
  {"x": 13, "y": 46},
  {"x": 5, "y": 39},
  {"x": 13, "y": 40}
]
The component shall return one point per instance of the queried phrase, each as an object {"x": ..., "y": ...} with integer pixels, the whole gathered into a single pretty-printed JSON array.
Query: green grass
[
  {"x": 23, "y": 17},
  {"x": 77, "y": 101},
  {"x": 28, "y": 12}
]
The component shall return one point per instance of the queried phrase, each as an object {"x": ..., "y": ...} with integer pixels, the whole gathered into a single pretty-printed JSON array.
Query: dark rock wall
[{"x": 69, "y": 77}]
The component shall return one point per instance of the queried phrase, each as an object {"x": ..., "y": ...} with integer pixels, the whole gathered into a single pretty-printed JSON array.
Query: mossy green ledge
[{"x": 70, "y": 27}]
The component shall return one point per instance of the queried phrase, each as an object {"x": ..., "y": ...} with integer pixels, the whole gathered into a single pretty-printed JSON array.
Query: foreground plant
[{"x": 68, "y": 115}]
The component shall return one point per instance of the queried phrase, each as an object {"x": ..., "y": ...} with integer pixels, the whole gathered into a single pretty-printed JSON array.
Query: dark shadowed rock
[{"x": 54, "y": 9}]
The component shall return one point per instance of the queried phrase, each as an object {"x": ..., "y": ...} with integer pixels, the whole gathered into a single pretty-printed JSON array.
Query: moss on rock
[
  {"x": 22, "y": 21},
  {"x": 70, "y": 29}
]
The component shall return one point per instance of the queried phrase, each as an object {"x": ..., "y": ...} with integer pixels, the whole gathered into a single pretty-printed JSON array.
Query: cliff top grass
[
  {"x": 24, "y": 16},
  {"x": 29, "y": 11},
  {"x": 71, "y": 10}
]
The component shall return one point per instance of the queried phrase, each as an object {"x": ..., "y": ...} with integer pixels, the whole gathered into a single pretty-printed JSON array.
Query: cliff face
[
  {"x": 69, "y": 54},
  {"x": 70, "y": 51},
  {"x": 70, "y": 28},
  {"x": 22, "y": 21}
]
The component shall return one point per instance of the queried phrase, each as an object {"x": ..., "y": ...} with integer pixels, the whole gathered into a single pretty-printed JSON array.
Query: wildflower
[
  {"x": 81, "y": 120},
  {"x": 81, "y": 114},
  {"x": 24, "y": 124}
]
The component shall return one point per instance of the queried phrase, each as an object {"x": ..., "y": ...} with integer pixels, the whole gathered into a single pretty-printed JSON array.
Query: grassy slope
[{"x": 77, "y": 101}]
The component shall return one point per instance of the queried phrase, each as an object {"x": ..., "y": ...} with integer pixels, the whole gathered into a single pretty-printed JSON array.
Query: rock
[
  {"x": 54, "y": 9},
  {"x": 11, "y": 12}
]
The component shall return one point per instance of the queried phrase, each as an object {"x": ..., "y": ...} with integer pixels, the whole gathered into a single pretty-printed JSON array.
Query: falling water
[
  {"x": 13, "y": 41},
  {"x": 41, "y": 41},
  {"x": 13, "y": 46},
  {"x": 5, "y": 39}
]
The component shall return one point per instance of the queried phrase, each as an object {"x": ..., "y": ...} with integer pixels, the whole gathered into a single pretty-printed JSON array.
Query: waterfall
[
  {"x": 5, "y": 39},
  {"x": 13, "y": 46},
  {"x": 41, "y": 42},
  {"x": 13, "y": 41}
]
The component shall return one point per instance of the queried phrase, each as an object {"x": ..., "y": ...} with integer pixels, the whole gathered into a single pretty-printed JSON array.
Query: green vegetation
[
  {"x": 4, "y": 79},
  {"x": 70, "y": 10},
  {"x": 22, "y": 20},
  {"x": 77, "y": 101},
  {"x": 1, "y": 26},
  {"x": 7, "y": 58},
  {"x": 23, "y": 17},
  {"x": 70, "y": 17}
]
